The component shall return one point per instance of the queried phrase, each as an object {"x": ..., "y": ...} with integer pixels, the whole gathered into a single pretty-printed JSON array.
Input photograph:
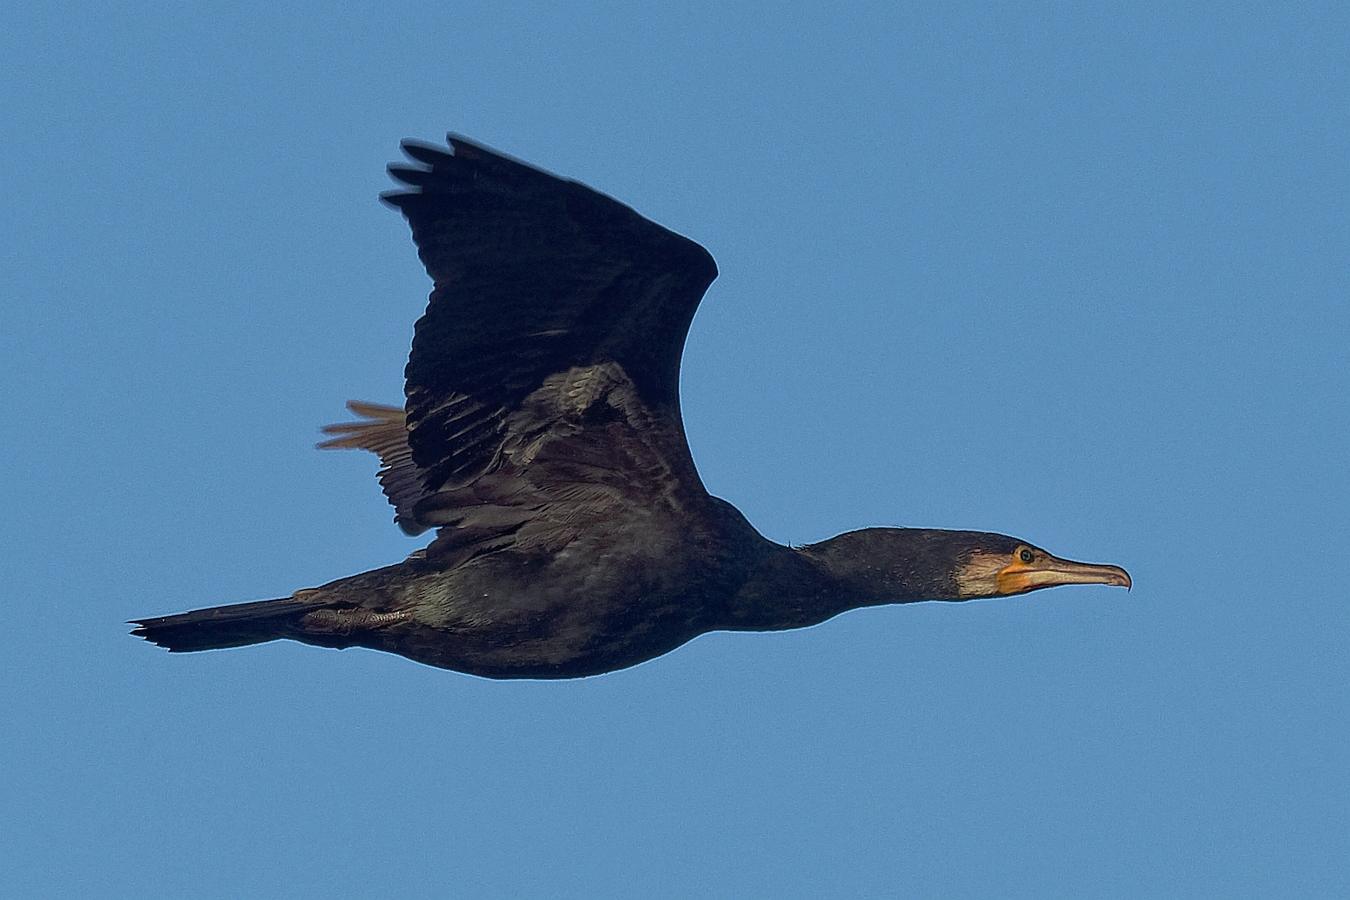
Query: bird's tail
[{"x": 226, "y": 626}]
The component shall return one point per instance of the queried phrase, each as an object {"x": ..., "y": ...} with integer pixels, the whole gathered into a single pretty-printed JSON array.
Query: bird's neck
[{"x": 793, "y": 588}]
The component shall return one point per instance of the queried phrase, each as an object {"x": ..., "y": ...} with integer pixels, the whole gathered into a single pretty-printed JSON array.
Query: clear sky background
[{"x": 1078, "y": 273}]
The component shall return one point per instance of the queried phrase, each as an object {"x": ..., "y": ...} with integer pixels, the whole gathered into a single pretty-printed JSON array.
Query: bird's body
[{"x": 542, "y": 439}]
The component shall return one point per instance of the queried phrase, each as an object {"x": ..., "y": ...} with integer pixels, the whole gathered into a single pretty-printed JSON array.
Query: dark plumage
[{"x": 542, "y": 439}]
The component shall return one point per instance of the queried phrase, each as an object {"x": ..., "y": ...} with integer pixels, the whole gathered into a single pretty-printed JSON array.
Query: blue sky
[{"x": 1077, "y": 273}]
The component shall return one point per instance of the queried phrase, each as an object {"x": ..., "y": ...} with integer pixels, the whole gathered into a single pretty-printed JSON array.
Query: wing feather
[
  {"x": 534, "y": 275},
  {"x": 383, "y": 431}
]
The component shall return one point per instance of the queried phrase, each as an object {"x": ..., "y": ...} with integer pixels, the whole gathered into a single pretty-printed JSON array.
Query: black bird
[{"x": 542, "y": 439}]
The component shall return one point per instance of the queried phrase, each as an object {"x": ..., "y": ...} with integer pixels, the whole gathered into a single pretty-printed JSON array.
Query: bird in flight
[{"x": 541, "y": 438}]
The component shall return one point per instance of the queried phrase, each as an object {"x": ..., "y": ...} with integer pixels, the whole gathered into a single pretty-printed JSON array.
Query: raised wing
[{"x": 535, "y": 277}]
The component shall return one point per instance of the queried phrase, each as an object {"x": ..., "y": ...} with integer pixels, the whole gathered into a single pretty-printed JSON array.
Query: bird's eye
[{"x": 1025, "y": 555}]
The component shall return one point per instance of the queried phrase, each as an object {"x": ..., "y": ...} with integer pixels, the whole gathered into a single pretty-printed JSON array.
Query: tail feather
[{"x": 219, "y": 627}]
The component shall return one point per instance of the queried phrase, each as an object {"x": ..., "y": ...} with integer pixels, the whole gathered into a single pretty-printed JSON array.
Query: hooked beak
[{"x": 1049, "y": 571}]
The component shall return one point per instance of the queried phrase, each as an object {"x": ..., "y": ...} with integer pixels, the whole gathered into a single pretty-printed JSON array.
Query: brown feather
[{"x": 384, "y": 432}]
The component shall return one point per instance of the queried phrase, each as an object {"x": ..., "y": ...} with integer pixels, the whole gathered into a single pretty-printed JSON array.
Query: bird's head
[
  {"x": 1000, "y": 571},
  {"x": 899, "y": 565}
]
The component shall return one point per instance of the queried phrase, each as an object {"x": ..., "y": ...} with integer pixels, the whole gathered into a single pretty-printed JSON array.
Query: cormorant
[{"x": 542, "y": 439}]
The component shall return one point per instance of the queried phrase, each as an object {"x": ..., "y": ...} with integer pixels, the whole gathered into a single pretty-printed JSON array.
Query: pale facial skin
[{"x": 1029, "y": 568}]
